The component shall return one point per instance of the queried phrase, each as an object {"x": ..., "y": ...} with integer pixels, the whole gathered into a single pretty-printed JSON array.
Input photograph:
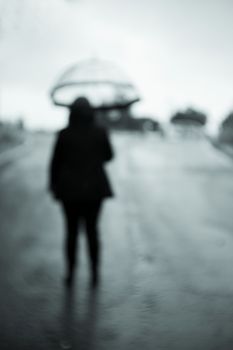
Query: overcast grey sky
[{"x": 178, "y": 53}]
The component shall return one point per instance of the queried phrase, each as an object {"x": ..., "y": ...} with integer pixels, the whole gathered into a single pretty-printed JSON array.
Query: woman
[{"x": 78, "y": 180}]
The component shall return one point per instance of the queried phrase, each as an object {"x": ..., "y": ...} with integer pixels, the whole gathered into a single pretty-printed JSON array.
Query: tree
[
  {"x": 226, "y": 129},
  {"x": 189, "y": 117},
  {"x": 228, "y": 121}
]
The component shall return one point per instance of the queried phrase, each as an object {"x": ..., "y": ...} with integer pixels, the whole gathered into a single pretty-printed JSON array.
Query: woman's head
[{"x": 81, "y": 112}]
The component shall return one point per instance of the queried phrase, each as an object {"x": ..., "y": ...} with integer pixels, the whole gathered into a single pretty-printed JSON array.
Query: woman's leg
[
  {"x": 71, "y": 221},
  {"x": 91, "y": 216}
]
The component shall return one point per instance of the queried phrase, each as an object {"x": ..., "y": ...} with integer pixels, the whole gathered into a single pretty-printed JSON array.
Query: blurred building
[{"x": 11, "y": 133}]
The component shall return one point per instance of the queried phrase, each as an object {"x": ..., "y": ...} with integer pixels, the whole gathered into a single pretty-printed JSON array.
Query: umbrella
[{"x": 104, "y": 84}]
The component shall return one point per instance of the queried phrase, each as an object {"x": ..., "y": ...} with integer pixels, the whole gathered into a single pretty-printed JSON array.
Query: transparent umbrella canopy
[{"x": 103, "y": 83}]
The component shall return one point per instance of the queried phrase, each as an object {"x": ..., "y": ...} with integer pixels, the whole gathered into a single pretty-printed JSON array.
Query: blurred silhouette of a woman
[{"x": 79, "y": 181}]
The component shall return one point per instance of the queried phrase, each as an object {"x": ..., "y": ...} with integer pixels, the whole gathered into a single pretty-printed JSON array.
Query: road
[{"x": 167, "y": 238}]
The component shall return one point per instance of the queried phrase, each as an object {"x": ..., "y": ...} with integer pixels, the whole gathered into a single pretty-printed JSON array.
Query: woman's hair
[{"x": 81, "y": 112}]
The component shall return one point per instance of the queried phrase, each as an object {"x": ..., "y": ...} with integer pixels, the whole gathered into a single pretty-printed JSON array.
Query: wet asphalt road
[{"x": 167, "y": 237}]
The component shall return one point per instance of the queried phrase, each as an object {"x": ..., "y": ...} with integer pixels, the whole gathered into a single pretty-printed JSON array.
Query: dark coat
[{"x": 77, "y": 166}]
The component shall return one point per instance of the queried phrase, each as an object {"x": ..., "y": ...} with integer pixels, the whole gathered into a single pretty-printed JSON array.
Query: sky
[{"x": 178, "y": 53}]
